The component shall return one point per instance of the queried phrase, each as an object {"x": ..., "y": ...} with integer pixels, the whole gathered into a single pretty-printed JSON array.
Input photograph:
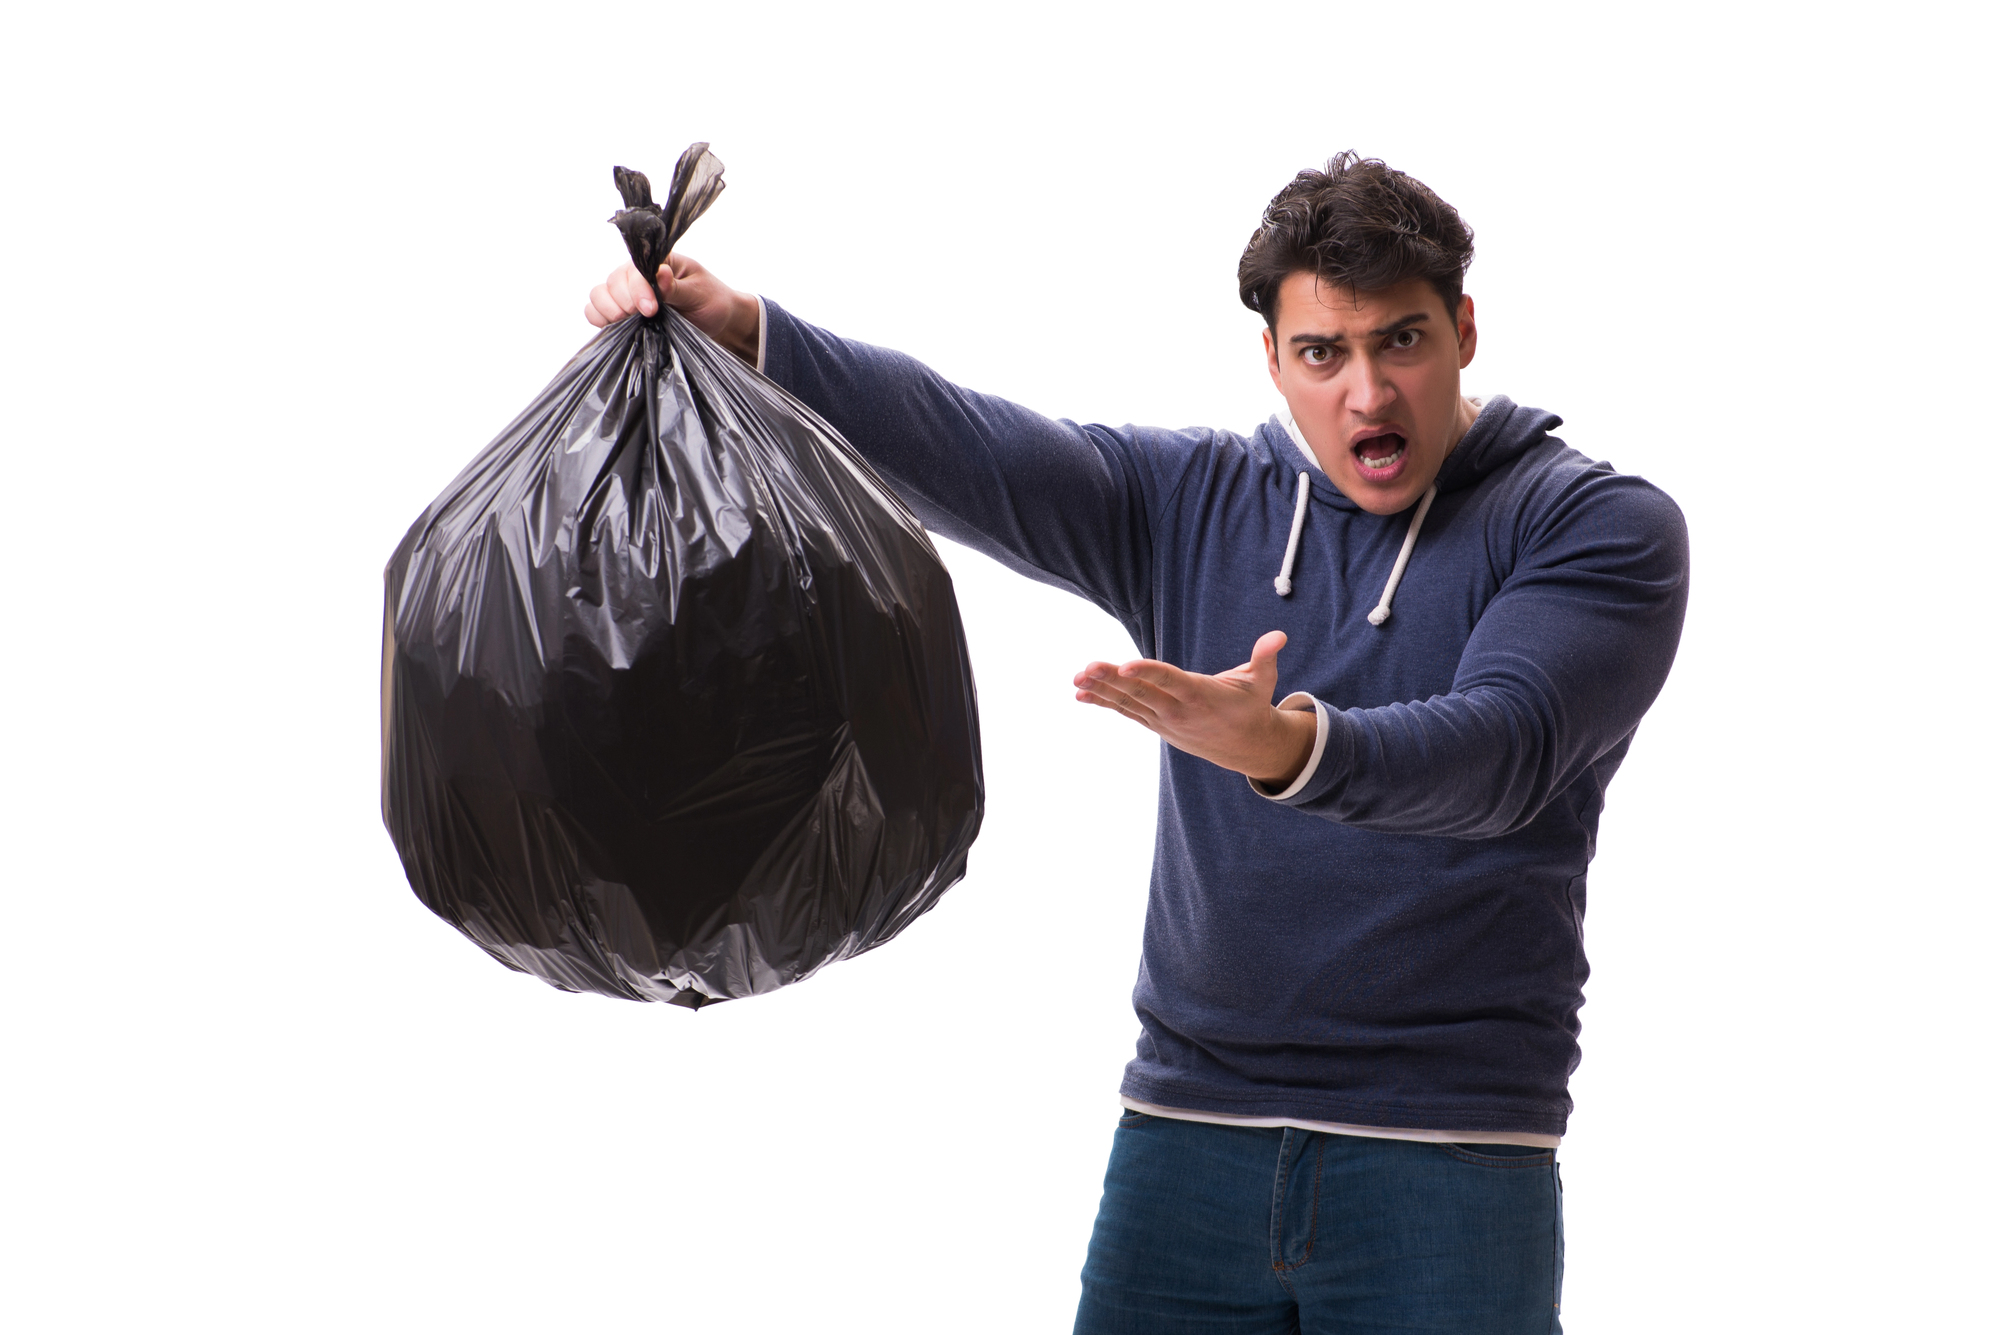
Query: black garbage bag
[{"x": 675, "y": 698}]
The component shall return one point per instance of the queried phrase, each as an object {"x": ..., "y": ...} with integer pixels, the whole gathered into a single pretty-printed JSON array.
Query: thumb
[{"x": 1264, "y": 661}]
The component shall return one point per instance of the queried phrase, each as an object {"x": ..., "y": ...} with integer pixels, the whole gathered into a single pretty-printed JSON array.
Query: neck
[{"x": 1468, "y": 413}]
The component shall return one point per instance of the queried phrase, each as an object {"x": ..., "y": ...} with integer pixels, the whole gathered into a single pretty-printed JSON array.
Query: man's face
[{"x": 1372, "y": 381}]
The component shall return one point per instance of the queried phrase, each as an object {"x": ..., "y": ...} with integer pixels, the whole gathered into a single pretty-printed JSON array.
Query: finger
[
  {"x": 1115, "y": 708},
  {"x": 614, "y": 288},
  {"x": 1264, "y": 660},
  {"x": 604, "y": 308},
  {"x": 631, "y": 291},
  {"x": 641, "y": 293},
  {"x": 1116, "y": 691},
  {"x": 1095, "y": 672},
  {"x": 1112, "y": 697},
  {"x": 1105, "y": 678},
  {"x": 1154, "y": 679}
]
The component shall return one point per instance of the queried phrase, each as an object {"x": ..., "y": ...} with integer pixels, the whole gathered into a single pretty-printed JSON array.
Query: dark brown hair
[{"x": 1359, "y": 225}]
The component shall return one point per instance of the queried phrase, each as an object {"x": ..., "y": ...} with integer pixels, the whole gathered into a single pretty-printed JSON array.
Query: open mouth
[{"x": 1378, "y": 454}]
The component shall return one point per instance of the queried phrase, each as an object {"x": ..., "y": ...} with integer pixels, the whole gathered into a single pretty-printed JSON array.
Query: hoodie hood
[{"x": 1502, "y": 433}]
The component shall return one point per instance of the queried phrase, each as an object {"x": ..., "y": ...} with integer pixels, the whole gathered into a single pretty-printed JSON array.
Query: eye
[
  {"x": 1316, "y": 355},
  {"x": 1405, "y": 338}
]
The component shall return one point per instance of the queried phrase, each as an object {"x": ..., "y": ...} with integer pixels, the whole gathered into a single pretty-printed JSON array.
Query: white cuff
[
  {"x": 763, "y": 323},
  {"x": 1299, "y": 700}
]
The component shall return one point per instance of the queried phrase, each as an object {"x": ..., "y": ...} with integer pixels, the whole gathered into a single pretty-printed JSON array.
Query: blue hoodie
[{"x": 1399, "y": 942}]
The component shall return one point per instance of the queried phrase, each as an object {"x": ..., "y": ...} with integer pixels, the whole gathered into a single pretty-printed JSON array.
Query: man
[{"x": 1363, "y": 948}]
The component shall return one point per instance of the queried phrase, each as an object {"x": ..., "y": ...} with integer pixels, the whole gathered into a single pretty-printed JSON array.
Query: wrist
[
  {"x": 743, "y": 330},
  {"x": 1293, "y": 734}
]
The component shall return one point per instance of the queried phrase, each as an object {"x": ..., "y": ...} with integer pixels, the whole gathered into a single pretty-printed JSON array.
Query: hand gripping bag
[{"x": 675, "y": 697}]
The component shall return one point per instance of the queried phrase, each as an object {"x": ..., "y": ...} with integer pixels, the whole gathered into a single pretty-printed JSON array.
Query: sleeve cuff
[
  {"x": 1298, "y": 700},
  {"x": 763, "y": 330}
]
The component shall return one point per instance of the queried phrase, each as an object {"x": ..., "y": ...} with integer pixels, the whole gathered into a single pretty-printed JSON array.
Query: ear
[
  {"x": 1271, "y": 358},
  {"x": 1468, "y": 333}
]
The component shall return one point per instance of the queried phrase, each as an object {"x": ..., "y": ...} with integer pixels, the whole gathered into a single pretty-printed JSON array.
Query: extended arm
[{"x": 1065, "y": 504}]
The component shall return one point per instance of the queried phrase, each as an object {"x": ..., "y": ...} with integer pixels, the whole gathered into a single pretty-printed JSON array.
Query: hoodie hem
[{"x": 1311, "y": 1106}]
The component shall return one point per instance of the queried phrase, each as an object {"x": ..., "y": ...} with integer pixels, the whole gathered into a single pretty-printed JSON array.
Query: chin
[
  {"x": 1377, "y": 505},
  {"x": 1379, "y": 498}
]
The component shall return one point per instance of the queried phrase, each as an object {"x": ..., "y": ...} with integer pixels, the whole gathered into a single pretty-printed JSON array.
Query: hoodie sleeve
[
  {"x": 1065, "y": 504},
  {"x": 1562, "y": 664}
]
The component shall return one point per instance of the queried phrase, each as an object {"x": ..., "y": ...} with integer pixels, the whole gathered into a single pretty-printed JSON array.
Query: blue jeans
[{"x": 1248, "y": 1230}]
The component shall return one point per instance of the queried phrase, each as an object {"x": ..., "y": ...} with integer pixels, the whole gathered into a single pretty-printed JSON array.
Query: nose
[{"x": 1370, "y": 394}]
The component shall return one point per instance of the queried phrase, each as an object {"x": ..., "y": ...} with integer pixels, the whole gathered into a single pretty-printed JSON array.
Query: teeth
[{"x": 1372, "y": 461}]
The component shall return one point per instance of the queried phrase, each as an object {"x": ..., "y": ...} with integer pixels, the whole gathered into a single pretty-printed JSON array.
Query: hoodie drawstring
[
  {"x": 1381, "y": 612},
  {"x": 1283, "y": 582},
  {"x": 1284, "y": 579}
]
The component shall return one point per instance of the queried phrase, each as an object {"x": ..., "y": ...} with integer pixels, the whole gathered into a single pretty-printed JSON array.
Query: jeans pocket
[
  {"x": 1500, "y": 1156},
  {"x": 1132, "y": 1118}
]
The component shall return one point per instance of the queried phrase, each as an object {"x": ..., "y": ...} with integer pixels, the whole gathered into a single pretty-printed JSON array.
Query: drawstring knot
[{"x": 1381, "y": 612}]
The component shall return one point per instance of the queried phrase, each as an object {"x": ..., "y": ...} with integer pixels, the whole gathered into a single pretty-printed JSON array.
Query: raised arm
[
  {"x": 1064, "y": 504},
  {"x": 1068, "y": 505}
]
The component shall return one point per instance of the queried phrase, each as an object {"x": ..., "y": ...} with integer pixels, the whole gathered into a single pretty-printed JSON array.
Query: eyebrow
[{"x": 1383, "y": 332}]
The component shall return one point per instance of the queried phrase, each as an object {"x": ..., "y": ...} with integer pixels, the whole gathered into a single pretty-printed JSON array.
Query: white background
[{"x": 272, "y": 274}]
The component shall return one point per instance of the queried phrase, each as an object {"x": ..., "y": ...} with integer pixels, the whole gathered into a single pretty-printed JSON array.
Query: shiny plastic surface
[{"x": 675, "y": 698}]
